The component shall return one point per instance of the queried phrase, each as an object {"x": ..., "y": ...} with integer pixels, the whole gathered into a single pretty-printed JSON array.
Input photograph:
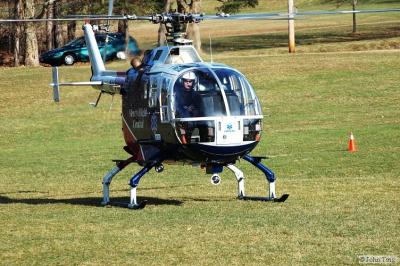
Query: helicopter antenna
[{"x": 211, "y": 53}]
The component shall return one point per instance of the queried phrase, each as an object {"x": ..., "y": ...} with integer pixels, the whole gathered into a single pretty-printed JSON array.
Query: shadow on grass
[
  {"x": 279, "y": 40},
  {"x": 88, "y": 201}
]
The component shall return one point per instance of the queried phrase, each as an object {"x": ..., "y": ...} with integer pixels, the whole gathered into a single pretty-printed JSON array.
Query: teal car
[{"x": 76, "y": 50}]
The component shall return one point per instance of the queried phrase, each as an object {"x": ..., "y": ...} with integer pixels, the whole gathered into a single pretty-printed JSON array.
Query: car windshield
[{"x": 77, "y": 42}]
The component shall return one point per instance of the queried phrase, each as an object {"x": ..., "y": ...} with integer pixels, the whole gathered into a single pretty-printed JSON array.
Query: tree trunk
[
  {"x": 354, "y": 17},
  {"x": 49, "y": 28},
  {"x": 10, "y": 26},
  {"x": 123, "y": 27},
  {"x": 60, "y": 28},
  {"x": 162, "y": 30},
  {"x": 193, "y": 29},
  {"x": 71, "y": 30},
  {"x": 19, "y": 13},
  {"x": 31, "y": 45}
]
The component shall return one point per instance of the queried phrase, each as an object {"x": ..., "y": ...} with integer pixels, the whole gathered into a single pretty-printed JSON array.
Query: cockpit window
[
  {"x": 239, "y": 93},
  {"x": 180, "y": 55},
  {"x": 197, "y": 94}
]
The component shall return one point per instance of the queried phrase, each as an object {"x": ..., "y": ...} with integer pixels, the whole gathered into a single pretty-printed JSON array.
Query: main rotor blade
[
  {"x": 287, "y": 16},
  {"x": 79, "y": 18},
  {"x": 169, "y": 17},
  {"x": 306, "y": 13},
  {"x": 254, "y": 16}
]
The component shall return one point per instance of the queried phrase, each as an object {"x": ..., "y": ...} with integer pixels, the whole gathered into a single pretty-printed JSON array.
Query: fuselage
[
  {"x": 224, "y": 121},
  {"x": 214, "y": 122}
]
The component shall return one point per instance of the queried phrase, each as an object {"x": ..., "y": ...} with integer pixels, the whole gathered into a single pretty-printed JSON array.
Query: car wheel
[{"x": 69, "y": 59}]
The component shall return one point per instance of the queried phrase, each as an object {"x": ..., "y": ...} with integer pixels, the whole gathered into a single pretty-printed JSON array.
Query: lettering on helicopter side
[
  {"x": 141, "y": 112},
  {"x": 138, "y": 124}
]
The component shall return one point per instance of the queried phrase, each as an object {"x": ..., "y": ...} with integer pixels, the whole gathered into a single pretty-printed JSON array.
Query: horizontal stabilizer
[
  {"x": 56, "y": 84},
  {"x": 83, "y": 83}
]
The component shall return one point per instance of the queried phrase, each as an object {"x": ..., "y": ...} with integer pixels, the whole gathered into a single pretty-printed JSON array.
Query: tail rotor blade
[
  {"x": 110, "y": 7},
  {"x": 110, "y": 11}
]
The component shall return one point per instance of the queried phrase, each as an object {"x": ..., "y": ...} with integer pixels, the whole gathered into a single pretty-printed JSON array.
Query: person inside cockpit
[{"x": 187, "y": 99}]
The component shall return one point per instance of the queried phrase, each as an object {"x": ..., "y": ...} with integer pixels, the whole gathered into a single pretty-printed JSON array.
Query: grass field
[{"x": 342, "y": 205}]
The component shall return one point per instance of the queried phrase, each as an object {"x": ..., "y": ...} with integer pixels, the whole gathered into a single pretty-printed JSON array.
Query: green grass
[
  {"x": 341, "y": 205},
  {"x": 53, "y": 158}
]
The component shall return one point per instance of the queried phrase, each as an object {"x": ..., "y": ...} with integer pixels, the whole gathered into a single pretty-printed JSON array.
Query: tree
[
  {"x": 234, "y": 6},
  {"x": 25, "y": 39},
  {"x": 354, "y": 5}
]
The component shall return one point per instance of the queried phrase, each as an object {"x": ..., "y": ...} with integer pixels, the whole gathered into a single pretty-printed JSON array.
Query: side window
[
  {"x": 100, "y": 39},
  {"x": 164, "y": 100},
  {"x": 153, "y": 92}
]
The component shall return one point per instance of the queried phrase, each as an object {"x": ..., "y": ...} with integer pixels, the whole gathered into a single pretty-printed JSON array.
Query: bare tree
[{"x": 354, "y": 5}]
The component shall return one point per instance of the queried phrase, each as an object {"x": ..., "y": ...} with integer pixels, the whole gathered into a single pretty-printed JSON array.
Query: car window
[
  {"x": 111, "y": 39},
  {"x": 100, "y": 39}
]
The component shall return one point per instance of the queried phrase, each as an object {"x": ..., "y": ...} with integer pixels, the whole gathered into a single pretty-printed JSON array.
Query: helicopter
[{"x": 221, "y": 124}]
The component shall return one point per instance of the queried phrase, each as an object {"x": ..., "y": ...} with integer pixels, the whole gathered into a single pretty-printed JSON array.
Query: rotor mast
[{"x": 176, "y": 25}]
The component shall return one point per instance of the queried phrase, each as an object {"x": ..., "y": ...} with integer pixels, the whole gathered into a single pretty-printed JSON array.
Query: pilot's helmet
[{"x": 189, "y": 76}]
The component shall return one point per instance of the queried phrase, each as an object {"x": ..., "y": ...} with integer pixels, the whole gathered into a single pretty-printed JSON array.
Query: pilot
[{"x": 187, "y": 98}]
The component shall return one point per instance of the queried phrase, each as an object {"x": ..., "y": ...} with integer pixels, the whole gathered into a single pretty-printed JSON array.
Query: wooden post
[{"x": 292, "y": 48}]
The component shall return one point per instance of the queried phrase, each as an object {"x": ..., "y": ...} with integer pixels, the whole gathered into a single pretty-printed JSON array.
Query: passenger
[
  {"x": 134, "y": 74},
  {"x": 187, "y": 99},
  {"x": 136, "y": 63}
]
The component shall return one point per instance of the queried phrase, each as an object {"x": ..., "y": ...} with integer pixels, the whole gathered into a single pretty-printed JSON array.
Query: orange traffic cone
[{"x": 352, "y": 143}]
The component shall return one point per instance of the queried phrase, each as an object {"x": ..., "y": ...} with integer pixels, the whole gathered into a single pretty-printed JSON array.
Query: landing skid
[
  {"x": 134, "y": 182},
  {"x": 252, "y": 198},
  {"x": 270, "y": 176}
]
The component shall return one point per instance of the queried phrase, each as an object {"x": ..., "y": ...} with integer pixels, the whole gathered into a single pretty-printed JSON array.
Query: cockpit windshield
[
  {"x": 239, "y": 93},
  {"x": 197, "y": 93}
]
